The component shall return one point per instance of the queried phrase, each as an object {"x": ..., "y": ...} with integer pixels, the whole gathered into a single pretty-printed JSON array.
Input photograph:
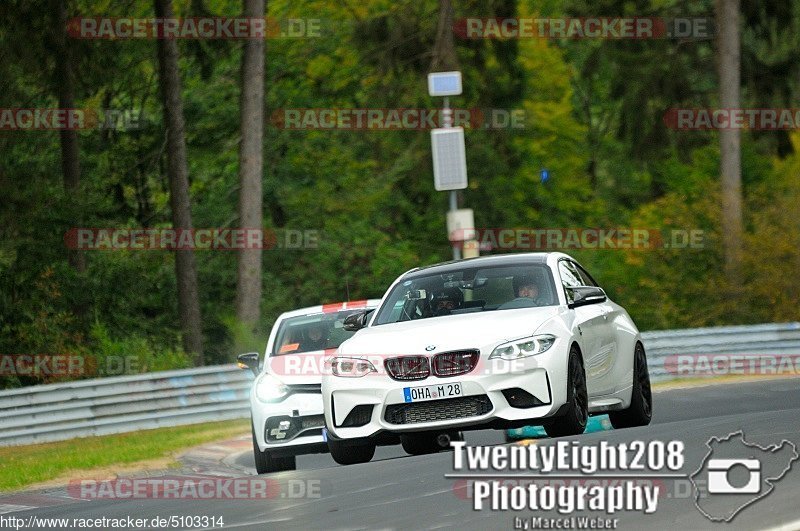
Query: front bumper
[
  {"x": 496, "y": 393},
  {"x": 291, "y": 426}
]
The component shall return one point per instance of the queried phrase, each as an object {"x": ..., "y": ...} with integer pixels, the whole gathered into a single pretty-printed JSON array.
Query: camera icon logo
[
  {"x": 735, "y": 473},
  {"x": 719, "y": 476}
]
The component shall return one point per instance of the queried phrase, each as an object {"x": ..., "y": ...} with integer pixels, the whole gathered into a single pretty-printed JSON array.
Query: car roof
[
  {"x": 331, "y": 308},
  {"x": 478, "y": 261}
]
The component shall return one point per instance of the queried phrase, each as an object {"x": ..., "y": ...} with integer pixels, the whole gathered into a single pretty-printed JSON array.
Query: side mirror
[
  {"x": 356, "y": 321},
  {"x": 585, "y": 295},
  {"x": 248, "y": 361}
]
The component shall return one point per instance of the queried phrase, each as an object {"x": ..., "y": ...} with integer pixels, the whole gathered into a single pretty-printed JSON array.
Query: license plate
[{"x": 432, "y": 392}]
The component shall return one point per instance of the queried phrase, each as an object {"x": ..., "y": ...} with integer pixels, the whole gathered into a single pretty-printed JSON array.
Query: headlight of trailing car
[
  {"x": 522, "y": 348},
  {"x": 350, "y": 367},
  {"x": 270, "y": 389}
]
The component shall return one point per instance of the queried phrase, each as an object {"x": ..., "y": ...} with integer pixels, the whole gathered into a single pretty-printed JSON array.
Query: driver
[
  {"x": 315, "y": 338},
  {"x": 446, "y": 300},
  {"x": 526, "y": 287}
]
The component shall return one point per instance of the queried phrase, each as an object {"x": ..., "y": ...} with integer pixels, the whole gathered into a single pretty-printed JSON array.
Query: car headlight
[
  {"x": 350, "y": 367},
  {"x": 522, "y": 348},
  {"x": 270, "y": 389}
]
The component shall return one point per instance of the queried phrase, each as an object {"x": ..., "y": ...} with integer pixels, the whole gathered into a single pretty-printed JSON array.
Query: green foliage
[
  {"x": 773, "y": 244},
  {"x": 593, "y": 116},
  {"x": 131, "y": 354}
]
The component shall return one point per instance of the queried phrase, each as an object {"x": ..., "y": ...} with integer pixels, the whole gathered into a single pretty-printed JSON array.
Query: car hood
[
  {"x": 471, "y": 330},
  {"x": 306, "y": 368}
]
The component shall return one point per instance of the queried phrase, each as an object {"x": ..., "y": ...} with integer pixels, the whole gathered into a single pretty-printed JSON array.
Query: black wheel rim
[
  {"x": 579, "y": 394},
  {"x": 643, "y": 378}
]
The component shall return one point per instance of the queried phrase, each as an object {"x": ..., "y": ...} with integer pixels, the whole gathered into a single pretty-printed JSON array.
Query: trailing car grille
[
  {"x": 407, "y": 368},
  {"x": 447, "y": 409},
  {"x": 282, "y": 429},
  {"x": 454, "y": 363}
]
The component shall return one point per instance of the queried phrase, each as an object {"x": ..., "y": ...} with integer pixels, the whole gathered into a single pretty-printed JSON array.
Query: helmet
[
  {"x": 316, "y": 328},
  {"x": 523, "y": 280},
  {"x": 453, "y": 295}
]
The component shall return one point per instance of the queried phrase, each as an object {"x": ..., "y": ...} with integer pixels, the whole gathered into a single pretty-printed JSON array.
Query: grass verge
[{"x": 21, "y": 466}]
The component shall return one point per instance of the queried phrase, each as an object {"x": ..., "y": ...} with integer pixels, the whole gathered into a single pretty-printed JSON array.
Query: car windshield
[
  {"x": 469, "y": 290},
  {"x": 307, "y": 333}
]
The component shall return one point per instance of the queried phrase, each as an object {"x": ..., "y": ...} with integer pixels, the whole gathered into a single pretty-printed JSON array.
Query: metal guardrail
[
  {"x": 742, "y": 341},
  {"x": 103, "y": 406},
  {"x": 122, "y": 404}
]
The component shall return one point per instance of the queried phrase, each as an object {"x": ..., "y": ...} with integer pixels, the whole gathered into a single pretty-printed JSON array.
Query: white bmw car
[
  {"x": 285, "y": 400},
  {"x": 492, "y": 342}
]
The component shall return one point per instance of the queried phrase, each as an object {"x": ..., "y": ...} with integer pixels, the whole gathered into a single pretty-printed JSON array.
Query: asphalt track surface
[{"x": 397, "y": 491}]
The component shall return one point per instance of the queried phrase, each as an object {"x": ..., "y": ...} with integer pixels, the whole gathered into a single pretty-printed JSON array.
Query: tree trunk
[
  {"x": 729, "y": 69},
  {"x": 178, "y": 170},
  {"x": 65, "y": 86},
  {"x": 444, "y": 51},
  {"x": 251, "y": 164}
]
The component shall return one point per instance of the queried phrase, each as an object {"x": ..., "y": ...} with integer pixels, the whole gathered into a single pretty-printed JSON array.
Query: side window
[
  {"x": 587, "y": 278},
  {"x": 570, "y": 278}
]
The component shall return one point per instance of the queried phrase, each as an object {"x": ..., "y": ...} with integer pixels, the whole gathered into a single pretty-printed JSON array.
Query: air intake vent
[
  {"x": 520, "y": 398},
  {"x": 358, "y": 416},
  {"x": 448, "y": 409}
]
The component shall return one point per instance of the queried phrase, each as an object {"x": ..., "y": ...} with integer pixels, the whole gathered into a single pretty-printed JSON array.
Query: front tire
[
  {"x": 350, "y": 454},
  {"x": 573, "y": 421},
  {"x": 266, "y": 463},
  {"x": 640, "y": 412}
]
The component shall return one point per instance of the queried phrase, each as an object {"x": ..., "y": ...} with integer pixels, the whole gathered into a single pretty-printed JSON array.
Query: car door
[
  {"x": 590, "y": 321},
  {"x": 606, "y": 357}
]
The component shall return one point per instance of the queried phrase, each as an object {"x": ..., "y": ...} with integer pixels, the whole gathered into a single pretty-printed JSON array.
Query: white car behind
[{"x": 285, "y": 400}]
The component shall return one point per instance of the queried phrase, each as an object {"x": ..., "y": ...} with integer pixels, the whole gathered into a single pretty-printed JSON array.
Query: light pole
[
  {"x": 447, "y": 123},
  {"x": 449, "y": 157}
]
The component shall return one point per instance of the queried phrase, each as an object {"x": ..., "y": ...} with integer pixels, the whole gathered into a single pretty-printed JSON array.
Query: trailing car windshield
[
  {"x": 308, "y": 333},
  {"x": 470, "y": 290}
]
